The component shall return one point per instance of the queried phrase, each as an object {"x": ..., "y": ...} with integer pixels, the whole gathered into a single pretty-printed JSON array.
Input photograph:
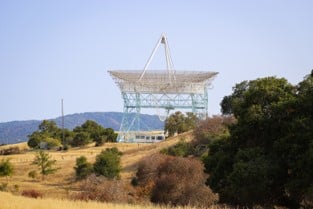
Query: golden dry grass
[
  {"x": 62, "y": 184},
  {"x": 9, "y": 201}
]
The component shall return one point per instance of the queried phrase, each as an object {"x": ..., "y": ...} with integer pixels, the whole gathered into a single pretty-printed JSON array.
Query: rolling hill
[{"x": 17, "y": 131}]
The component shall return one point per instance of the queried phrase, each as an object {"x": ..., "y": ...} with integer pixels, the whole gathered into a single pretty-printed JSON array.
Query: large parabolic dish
[
  {"x": 159, "y": 89},
  {"x": 161, "y": 81}
]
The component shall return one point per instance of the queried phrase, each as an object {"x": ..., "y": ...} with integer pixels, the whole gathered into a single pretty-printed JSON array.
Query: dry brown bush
[
  {"x": 147, "y": 173},
  {"x": 148, "y": 168},
  {"x": 101, "y": 189},
  {"x": 181, "y": 181},
  {"x": 32, "y": 193},
  {"x": 10, "y": 151},
  {"x": 212, "y": 127},
  {"x": 174, "y": 181}
]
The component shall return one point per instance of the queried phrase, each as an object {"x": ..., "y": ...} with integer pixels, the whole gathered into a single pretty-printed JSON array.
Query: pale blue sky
[{"x": 62, "y": 49}]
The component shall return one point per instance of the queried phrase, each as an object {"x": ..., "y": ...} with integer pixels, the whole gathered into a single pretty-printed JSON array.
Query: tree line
[{"x": 53, "y": 136}]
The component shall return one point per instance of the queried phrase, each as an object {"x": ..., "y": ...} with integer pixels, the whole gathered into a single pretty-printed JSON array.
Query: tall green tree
[
  {"x": 45, "y": 164},
  {"x": 268, "y": 157},
  {"x": 6, "y": 168}
]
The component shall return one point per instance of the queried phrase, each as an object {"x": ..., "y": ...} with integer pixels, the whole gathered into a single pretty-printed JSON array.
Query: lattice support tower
[{"x": 160, "y": 89}]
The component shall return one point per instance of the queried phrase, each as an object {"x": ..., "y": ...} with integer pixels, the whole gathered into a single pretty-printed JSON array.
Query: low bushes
[
  {"x": 82, "y": 168},
  {"x": 174, "y": 181},
  {"x": 10, "y": 151},
  {"x": 107, "y": 164},
  {"x": 32, "y": 193},
  {"x": 101, "y": 189}
]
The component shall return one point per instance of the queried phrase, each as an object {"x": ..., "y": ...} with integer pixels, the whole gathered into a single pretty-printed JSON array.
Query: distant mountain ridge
[{"x": 17, "y": 131}]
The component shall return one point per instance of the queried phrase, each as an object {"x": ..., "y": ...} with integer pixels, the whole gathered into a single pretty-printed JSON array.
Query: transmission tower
[{"x": 160, "y": 89}]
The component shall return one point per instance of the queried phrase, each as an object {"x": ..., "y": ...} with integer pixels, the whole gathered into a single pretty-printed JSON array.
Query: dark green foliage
[
  {"x": 248, "y": 177},
  {"x": 82, "y": 135},
  {"x": 91, "y": 131},
  {"x": 82, "y": 168},
  {"x": 17, "y": 131},
  {"x": 6, "y": 168},
  {"x": 179, "y": 123},
  {"x": 268, "y": 158},
  {"x": 110, "y": 135},
  {"x": 44, "y": 163},
  {"x": 49, "y": 127},
  {"x": 48, "y": 132},
  {"x": 34, "y": 140},
  {"x": 32, "y": 174},
  {"x": 108, "y": 163},
  {"x": 81, "y": 139},
  {"x": 181, "y": 149}
]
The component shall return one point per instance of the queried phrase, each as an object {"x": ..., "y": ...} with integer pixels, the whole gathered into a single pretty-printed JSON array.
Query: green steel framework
[{"x": 134, "y": 102}]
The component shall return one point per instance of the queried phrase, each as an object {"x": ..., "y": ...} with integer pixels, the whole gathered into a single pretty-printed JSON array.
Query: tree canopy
[
  {"x": 179, "y": 123},
  {"x": 268, "y": 157},
  {"x": 47, "y": 132}
]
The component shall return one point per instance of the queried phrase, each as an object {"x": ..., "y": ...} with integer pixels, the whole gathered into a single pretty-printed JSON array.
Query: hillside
[
  {"x": 17, "y": 202},
  {"x": 17, "y": 131},
  {"x": 62, "y": 184}
]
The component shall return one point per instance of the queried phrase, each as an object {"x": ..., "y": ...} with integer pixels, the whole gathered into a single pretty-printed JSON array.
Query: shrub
[
  {"x": 82, "y": 168},
  {"x": 212, "y": 128},
  {"x": 6, "y": 168},
  {"x": 32, "y": 174},
  {"x": 108, "y": 163},
  {"x": 147, "y": 173},
  {"x": 32, "y": 193},
  {"x": 173, "y": 180},
  {"x": 10, "y": 151},
  {"x": 52, "y": 142},
  {"x": 3, "y": 187},
  {"x": 181, "y": 149},
  {"x": 16, "y": 187},
  {"x": 65, "y": 147},
  {"x": 100, "y": 140},
  {"x": 81, "y": 139},
  {"x": 44, "y": 163},
  {"x": 179, "y": 123},
  {"x": 181, "y": 181},
  {"x": 34, "y": 140},
  {"x": 101, "y": 189},
  {"x": 148, "y": 168}
]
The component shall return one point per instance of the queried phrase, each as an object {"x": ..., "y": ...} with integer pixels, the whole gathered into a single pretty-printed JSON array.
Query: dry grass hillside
[
  {"x": 19, "y": 202},
  {"x": 62, "y": 184}
]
